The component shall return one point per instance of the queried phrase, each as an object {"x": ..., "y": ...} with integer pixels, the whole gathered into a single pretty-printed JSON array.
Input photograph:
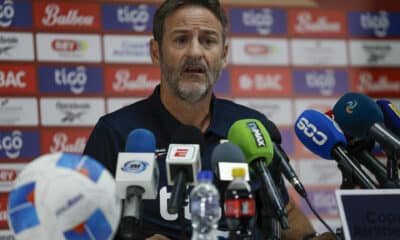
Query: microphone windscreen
[
  {"x": 273, "y": 131},
  {"x": 140, "y": 140},
  {"x": 356, "y": 114},
  {"x": 318, "y": 133},
  {"x": 226, "y": 152},
  {"x": 391, "y": 115},
  {"x": 253, "y": 139},
  {"x": 186, "y": 134}
]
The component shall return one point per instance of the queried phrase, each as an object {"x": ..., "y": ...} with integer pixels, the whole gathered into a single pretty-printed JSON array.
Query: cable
[{"x": 319, "y": 218}]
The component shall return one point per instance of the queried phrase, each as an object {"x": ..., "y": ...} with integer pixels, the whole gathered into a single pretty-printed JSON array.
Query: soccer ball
[{"x": 64, "y": 196}]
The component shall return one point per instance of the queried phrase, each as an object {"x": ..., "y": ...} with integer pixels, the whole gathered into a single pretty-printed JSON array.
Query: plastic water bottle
[
  {"x": 240, "y": 207},
  {"x": 205, "y": 207}
]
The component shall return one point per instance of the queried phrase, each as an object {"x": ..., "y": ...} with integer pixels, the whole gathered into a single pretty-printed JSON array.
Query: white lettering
[
  {"x": 53, "y": 17},
  {"x": 12, "y": 144},
  {"x": 164, "y": 196},
  {"x": 137, "y": 17},
  {"x": 76, "y": 80},
  {"x": 7, "y": 175},
  {"x": 7, "y": 12},
  {"x": 305, "y": 24},
  {"x": 379, "y": 23},
  {"x": 261, "y": 82},
  {"x": 311, "y": 131},
  {"x": 11, "y": 79},
  {"x": 367, "y": 84},
  {"x": 124, "y": 81},
  {"x": 262, "y": 20},
  {"x": 60, "y": 144},
  {"x": 325, "y": 81}
]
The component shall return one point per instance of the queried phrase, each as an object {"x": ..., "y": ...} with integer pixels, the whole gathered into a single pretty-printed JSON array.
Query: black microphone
[
  {"x": 252, "y": 137},
  {"x": 361, "y": 150},
  {"x": 286, "y": 168},
  {"x": 359, "y": 116},
  {"x": 183, "y": 162}
]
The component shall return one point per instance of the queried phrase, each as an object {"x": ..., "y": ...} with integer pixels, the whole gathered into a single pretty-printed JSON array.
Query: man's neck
[{"x": 194, "y": 114}]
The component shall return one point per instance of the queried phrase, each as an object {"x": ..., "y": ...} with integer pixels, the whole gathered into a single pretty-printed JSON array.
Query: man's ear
[
  {"x": 225, "y": 54},
  {"x": 155, "y": 52}
]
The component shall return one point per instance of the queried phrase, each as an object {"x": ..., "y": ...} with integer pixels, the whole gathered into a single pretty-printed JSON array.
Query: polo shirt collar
[{"x": 169, "y": 123}]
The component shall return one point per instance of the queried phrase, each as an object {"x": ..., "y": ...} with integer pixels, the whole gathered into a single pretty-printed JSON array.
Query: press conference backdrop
[{"x": 63, "y": 64}]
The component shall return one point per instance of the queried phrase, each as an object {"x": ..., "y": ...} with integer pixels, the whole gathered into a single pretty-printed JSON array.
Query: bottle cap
[
  {"x": 205, "y": 175},
  {"x": 238, "y": 172}
]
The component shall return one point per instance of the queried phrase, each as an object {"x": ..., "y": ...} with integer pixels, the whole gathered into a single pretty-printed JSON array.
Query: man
[{"x": 190, "y": 47}]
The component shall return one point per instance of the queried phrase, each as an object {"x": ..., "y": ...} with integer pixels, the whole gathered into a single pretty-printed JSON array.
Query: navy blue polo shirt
[{"x": 111, "y": 131}]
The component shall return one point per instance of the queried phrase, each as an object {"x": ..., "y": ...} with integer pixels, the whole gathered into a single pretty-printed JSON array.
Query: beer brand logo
[
  {"x": 377, "y": 22},
  {"x": 262, "y": 20},
  {"x": 325, "y": 81},
  {"x": 12, "y": 144},
  {"x": 382, "y": 84},
  {"x": 7, "y": 13},
  {"x": 75, "y": 79},
  {"x": 68, "y": 45},
  {"x": 124, "y": 82},
  {"x": 305, "y": 23},
  {"x": 138, "y": 17},
  {"x": 60, "y": 143},
  {"x": 53, "y": 17}
]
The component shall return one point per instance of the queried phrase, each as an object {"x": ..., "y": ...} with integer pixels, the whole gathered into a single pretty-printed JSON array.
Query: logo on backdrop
[
  {"x": 306, "y": 23},
  {"x": 377, "y": 82},
  {"x": 378, "y": 23},
  {"x": 377, "y": 53},
  {"x": 73, "y": 111},
  {"x": 128, "y": 17},
  {"x": 15, "y": 14},
  {"x": 261, "y": 21},
  {"x": 320, "y": 82},
  {"x": 124, "y": 81},
  {"x": 20, "y": 79},
  {"x": 61, "y": 143},
  {"x": 12, "y": 144},
  {"x": 73, "y": 17},
  {"x": 76, "y": 80}
]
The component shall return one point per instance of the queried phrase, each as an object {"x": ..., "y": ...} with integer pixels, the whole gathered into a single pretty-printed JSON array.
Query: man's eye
[
  {"x": 208, "y": 42},
  {"x": 180, "y": 41}
]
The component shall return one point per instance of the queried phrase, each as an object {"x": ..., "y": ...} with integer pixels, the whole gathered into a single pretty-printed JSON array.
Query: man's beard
[{"x": 196, "y": 88}]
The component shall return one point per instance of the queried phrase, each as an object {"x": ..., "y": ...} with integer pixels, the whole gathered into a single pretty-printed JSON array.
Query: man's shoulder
[{"x": 129, "y": 116}]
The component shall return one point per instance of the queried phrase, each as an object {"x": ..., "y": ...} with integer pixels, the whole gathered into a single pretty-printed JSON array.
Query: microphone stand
[
  {"x": 390, "y": 144},
  {"x": 270, "y": 224}
]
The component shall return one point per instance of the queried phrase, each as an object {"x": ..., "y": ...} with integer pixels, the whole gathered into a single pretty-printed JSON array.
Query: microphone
[
  {"x": 361, "y": 150},
  {"x": 253, "y": 139},
  {"x": 136, "y": 177},
  {"x": 183, "y": 163},
  {"x": 324, "y": 138},
  {"x": 391, "y": 115},
  {"x": 286, "y": 168},
  {"x": 359, "y": 116},
  {"x": 225, "y": 157}
]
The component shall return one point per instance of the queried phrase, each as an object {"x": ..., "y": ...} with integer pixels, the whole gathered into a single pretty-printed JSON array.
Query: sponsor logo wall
[{"x": 65, "y": 64}]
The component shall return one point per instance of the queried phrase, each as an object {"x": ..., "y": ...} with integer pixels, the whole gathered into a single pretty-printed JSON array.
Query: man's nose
[{"x": 195, "y": 49}]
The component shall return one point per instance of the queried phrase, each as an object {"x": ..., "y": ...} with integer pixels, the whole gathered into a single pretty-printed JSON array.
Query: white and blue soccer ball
[{"x": 64, "y": 196}]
